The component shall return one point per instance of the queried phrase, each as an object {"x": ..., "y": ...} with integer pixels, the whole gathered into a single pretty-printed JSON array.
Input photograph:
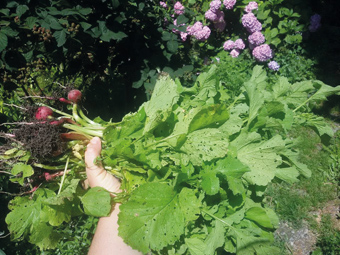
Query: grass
[{"x": 294, "y": 203}]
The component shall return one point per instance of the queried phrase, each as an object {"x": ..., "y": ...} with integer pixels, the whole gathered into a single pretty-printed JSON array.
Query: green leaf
[
  {"x": 115, "y": 3},
  {"x": 318, "y": 123},
  {"x": 172, "y": 45},
  {"x": 60, "y": 36},
  {"x": 298, "y": 93},
  {"x": 25, "y": 212},
  {"x": 254, "y": 88},
  {"x": 55, "y": 24},
  {"x": 324, "y": 91},
  {"x": 21, "y": 9},
  {"x": 215, "y": 239},
  {"x": 190, "y": 204},
  {"x": 287, "y": 174},
  {"x": 152, "y": 218},
  {"x": 3, "y": 41},
  {"x": 208, "y": 84},
  {"x": 195, "y": 245},
  {"x": 210, "y": 182},
  {"x": 85, "y": 25},
  {"x": 210, "y": 115},
  {"x": 259, "y": 216},
  {"x": 97, "y": 202},
  {"x": 205, "y": 145},
  {"x": 23, "y": 170},
  {"x": 67, "y": 193},
  {"x": 293, "y": 39},
  {"x": 9, "y": 32},
  {"x": 5, "y": 11},
  {"x": 275, "y": 42},
  {"x": 109, "y": 35},
  {"x": 44, "y": 236},
  {"x": 231, "y": 166},
  {"x": 248, "y": 242},
  {"x": 159, "y": 108},
  {"x": 232, "y": 125},
  {"x": 30, "y": 21},
  {"x": 261, "y": 158},
  {"x": 293, "y": 158}
]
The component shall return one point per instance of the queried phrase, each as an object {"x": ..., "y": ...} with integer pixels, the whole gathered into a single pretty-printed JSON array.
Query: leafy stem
[
  {"x": 84, "y": 130},
  {"x": 217, "y": 218},
  {"x": 55, "y": 110},
  {"x": 81, "y": 113},
  {"x": 63, "y": 178}
]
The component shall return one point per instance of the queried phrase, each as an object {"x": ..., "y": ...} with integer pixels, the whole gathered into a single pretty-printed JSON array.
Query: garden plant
[{"x": 226, "y": 83}]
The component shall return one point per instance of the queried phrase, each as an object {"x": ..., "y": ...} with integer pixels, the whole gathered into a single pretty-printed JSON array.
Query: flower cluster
[
  {"x": 179, "y": 8},
  {"x": 199, "y": 31},
  {"x": 314, "y": 23},
  {"x": 215, "y": 5},
  {"x": 235, "y": 47},
  {"x": 263, "y": 52},
  {"x": 251, "y": 23},
  {"x": 229, "y": 4},
  {"x": 163, "y": 4},
  {"x": 251, "y": 6},
  {"x": 216, "y": 15},
  {"x": 273, "y": 65},
  {"x": 256, "y": 39}
]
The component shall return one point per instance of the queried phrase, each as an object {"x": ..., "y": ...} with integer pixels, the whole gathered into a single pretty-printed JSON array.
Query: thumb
[
  {"x": 93, "y": 171},
  {"x": 93, "y": 151},
  {"x": 96, "y": 175}
]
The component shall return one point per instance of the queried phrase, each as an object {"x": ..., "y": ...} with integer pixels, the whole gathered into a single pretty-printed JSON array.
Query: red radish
[
  {"x": 63, "y": 100},
  {"x": 43, "y": 113},
  {"x": 74, "y": 96},
  {"x": 48, "y": 176}
]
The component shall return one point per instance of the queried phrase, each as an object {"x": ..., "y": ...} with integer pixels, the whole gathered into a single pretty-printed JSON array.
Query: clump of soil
[{"x": 41, "y": 139}]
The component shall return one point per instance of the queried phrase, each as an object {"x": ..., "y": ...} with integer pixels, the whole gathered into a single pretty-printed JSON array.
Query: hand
[{"x": 96, "y": 174}]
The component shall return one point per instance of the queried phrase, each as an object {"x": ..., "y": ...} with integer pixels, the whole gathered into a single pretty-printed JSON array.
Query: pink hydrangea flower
[
  {"x": 239, "y": 44},
  {"x": 215, "y": 5},
  {"x": 249, "y": 20},
  {"x": 229, "y": 4},
  {"x": 256, "y": 38},
  {"x": 184, "y": 36},
  {"x": 234, "y": 53},
  {"x": 163, "y": 4},
  {"x": 262, "y": 53},
  {"x": 203, "y": 34},
  {"x": 191, "y": 30},
  {"x": 273, "y": 65},
  {"x": 229, "y": 45},
  {"x": 210, "y": 15},
  {"x": 251, "y": 6},
  {"x": 179, "y": 8},
  {"x": 256, "y": 28},
  {"x": 220, "y": 26}
]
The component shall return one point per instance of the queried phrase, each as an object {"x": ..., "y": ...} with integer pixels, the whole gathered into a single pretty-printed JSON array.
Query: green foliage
[
  {"x": 294, "y": 202},
  {"x": 194, "y": 146},
  {"x": 283, "y": 21},
  {"x": 294, "y": 64}
]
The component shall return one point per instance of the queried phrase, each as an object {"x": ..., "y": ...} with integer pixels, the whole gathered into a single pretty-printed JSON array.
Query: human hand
[{"x": 96, "y": 174}]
